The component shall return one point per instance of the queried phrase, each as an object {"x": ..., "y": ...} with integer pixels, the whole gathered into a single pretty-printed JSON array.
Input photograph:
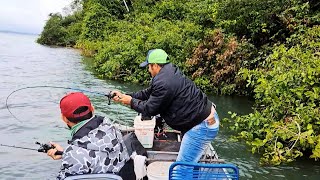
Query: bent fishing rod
[
  {"x": 43, "y": 148},
  {"x": 108, "y": 95}
]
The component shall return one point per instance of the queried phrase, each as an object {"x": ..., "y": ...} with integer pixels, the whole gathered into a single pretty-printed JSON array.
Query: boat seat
[
  {"x": 94, "y": 176},
  {"x": 201, "y": 171}
]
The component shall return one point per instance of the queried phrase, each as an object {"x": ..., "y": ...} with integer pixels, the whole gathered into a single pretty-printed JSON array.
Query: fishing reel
[
  {"x": 159, "y": 128},
  {"x": 110, "y": 96},
  {"x": 46, "y": 147}
]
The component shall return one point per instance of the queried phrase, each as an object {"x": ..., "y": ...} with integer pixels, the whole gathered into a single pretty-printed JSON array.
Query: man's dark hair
[
  {"x": 161, "y": 65},
  {"x": 80, "y": 110}
]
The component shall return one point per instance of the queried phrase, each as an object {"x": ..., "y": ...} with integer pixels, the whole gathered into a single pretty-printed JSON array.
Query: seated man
[{"x": 96, "y": 147}]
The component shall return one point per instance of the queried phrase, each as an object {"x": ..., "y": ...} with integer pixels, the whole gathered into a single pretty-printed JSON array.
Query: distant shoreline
[{"x": 15, "y": 32}]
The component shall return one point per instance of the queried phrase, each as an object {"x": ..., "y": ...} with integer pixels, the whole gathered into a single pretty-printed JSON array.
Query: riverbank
[{"x": 265, "y": 50}]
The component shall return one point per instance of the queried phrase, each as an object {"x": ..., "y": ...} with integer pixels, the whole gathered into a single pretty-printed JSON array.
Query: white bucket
[
  {"x": 158, "y": 170},
  {"x": 144, "y": 131}
]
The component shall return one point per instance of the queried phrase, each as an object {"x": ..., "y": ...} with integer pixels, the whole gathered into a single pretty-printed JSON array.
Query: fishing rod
[
  {"x": 108, "y": 95},
  {"x": 43, "y": 148},
  {"x": 18, "y": 147}
]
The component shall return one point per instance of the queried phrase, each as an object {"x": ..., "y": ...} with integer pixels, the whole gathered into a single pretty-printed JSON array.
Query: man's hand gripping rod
[
  {"x": 46, "y": 147},
  {"x": 110, "y": 95}
]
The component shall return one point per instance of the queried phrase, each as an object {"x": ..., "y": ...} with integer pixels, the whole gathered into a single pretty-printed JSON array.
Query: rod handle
[{"x": 58, "y": 153}]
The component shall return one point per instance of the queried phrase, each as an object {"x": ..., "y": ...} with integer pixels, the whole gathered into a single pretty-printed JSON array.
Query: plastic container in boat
[
  {"x": 144, "y": 131},
  {"x": 158, "y": 170}
]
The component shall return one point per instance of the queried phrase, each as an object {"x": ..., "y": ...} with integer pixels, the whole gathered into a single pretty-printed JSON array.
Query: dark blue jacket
[{"x": 175, "y": 97}]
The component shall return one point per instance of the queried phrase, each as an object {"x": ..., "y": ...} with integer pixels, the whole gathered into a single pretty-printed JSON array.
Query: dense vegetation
[{"x": 268, "y": 50}]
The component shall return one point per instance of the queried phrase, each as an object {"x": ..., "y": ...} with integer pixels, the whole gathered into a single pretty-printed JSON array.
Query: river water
[{"x": 35, "y": 111}]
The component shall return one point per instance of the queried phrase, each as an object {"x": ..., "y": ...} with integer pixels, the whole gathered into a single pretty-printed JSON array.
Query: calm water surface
[{"x": 23, "y": 63}]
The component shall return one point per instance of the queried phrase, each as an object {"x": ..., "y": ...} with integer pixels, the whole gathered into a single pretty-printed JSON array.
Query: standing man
[
  {"x": 180, "y": 103},
  {"x": 96, "y": 146}
]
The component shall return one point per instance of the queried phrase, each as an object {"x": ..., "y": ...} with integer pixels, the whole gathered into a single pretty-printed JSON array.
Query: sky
[{"x": 28, "y": 16}]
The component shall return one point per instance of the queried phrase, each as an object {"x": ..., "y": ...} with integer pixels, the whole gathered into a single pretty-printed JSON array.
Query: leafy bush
[
  {"x": 265, "y": 21},
  {"x": 286, "y": 122},
  {"x": 61, "y": 31},
  {"x": 128, "y": 43},
  {"x": 95, "y": 20},
  {"x": 217, "y": 60},
  {"x": 53, "y": 33}
]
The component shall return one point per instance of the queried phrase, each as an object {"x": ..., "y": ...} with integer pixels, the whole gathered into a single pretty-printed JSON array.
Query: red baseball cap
[{"x": 71, "y": 102}]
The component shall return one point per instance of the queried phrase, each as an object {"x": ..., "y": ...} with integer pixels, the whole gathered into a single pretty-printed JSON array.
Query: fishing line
[
  {"x": 55, "y": 87},
  {"x": 18, "y": 147},
  {"x": 43, "y": 148}
]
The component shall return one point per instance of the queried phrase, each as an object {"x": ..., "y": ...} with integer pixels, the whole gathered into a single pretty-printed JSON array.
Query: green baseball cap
[{"x": 157, "y": 56}]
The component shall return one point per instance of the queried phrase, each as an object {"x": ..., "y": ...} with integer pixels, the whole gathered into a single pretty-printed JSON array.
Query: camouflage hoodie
[{"x": 97, "y": 147}]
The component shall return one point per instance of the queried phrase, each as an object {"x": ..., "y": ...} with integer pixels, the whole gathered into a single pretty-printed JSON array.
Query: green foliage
[
  {"x": 116, "y": 8},
  {"x": 61, "y": 31},
  {"x": 143, "y": 5},
  {"x": 199, "y": 12},
  {"x": 127, "y": 44},
  {"x": 286, "y": 122},
  {"x": 53, "y": 33},
  {"x": 119, "y": 45},
  {"x": 73, "y": 33},
  {"x": 73, "y": 27},
  {"x": 266, "y": 49},
  {"x": 95, "y": 20},
  {"x": 264, "y": 21}
]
